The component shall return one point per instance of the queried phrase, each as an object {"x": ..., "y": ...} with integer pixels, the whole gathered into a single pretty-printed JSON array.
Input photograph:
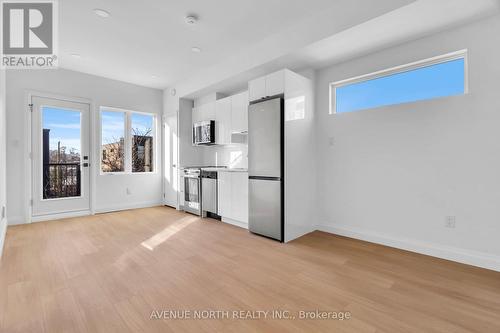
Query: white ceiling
[
  {"x": 410, "y": 22},
  {"x": 148, "y": 43},
  {"x": 418, "y": 19}
]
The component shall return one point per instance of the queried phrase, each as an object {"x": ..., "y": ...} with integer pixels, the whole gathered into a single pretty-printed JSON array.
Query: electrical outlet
[
  {"x": 450, "y": 222},
  {"x": 128, "y": 191},
  {"x": 3, "y": 212}
]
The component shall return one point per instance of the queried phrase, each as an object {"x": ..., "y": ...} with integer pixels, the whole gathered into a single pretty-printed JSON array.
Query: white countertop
[{"x": 226, "y": 169}]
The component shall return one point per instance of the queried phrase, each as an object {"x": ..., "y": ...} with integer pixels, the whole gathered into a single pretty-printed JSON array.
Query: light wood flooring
[{"x": 108, "y": 272}]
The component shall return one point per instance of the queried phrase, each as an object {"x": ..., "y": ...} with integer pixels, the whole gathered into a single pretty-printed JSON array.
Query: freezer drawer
[{"x": 264, "y": 208}]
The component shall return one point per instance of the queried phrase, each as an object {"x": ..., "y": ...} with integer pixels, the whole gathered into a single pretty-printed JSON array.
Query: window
[
  {"x": 432, "y": 78},
  {"x": 142, "y": 142},
  {"x": 112, "y": 141},
  {"x": 127, "y": 141},
  {"x": 61, "y": 153}
]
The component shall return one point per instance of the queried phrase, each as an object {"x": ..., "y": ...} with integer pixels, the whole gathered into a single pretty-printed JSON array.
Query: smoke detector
[{"x": 191, "y": 19}]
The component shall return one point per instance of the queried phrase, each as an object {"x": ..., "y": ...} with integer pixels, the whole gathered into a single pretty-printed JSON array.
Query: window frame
[
  {"x": 461, "y": 54},
  {"x": 128, "y": 141}
]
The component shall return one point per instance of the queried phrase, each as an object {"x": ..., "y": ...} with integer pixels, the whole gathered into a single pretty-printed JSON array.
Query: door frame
[
  {"x": 164, "y": 151},
  {"x": 29, "y": 218}
]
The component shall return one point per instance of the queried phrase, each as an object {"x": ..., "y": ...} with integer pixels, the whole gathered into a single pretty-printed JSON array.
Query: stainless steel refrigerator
[{"x": 266, "y": 167}]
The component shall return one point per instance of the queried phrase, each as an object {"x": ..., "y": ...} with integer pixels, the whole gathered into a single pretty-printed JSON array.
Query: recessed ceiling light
[
  {"x": 196, "y": 49},
  {"x": 76, "y": 55},
  {"x": 154, "y": 76},
  {"x": 101, "y": 12}
]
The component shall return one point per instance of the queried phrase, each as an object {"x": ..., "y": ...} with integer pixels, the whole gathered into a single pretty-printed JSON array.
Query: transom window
[
  {"x": 427, "y": 79},
  {"x": 127, "y": 141}
]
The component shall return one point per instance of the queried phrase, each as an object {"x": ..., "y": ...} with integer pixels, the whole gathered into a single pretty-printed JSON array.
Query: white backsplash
[{"x": 233, "y": 156}]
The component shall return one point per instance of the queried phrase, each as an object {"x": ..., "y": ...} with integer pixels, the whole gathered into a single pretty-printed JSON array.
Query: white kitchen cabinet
[
  {"x": 196, "y": 115},
  {"x": 257, "y": 88},
  {"x": 230, "y": 115},
  {"x": 209, "y": 111},
  {"x": 239, "y": 113},
  {"x": 239, "y": 190},
  {"x": 269, "y": 85},
  {"x": 204, "y": 112},
  {"x": 275, "y": 83},
  {"x": 233, "y": 197},
  {"x": 224, "y": 189},
  {"x": 223, "y": 121}
]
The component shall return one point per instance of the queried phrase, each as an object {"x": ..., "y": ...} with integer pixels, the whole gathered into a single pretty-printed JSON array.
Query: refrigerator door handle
[{"x": 265, "y": 178}]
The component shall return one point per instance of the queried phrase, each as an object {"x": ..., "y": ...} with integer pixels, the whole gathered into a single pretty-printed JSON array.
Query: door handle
[{"x": 174, "y": 165}]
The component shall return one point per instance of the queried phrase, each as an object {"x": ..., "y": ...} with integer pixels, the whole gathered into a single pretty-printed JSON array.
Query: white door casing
[{"x": 171, "y": 178}]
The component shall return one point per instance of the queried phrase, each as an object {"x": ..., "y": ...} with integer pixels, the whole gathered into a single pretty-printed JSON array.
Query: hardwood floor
[{"x": 109, "y": 272}]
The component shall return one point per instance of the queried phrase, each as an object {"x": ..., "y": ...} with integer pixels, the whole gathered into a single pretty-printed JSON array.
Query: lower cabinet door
[
  {"x": 239, "y": 186},
  {"x": 224, "y": 194}
]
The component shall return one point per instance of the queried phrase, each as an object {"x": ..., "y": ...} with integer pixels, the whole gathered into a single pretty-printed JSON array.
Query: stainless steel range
[{"x": 193, "y": 190}]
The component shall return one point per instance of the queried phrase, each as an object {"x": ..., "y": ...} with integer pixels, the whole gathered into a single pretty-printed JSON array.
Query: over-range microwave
[{"x": 204, "y": 133}]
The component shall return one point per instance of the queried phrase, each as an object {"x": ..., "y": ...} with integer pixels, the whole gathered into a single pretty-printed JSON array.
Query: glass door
[{"x": 61, "y": 160}]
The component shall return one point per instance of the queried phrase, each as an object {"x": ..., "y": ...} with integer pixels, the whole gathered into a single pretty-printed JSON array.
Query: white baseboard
[
  {"x": 235, "y": 223},
  {"x": 3, "y": 232},
  {"x": 127, "y": 206},
  {"x": 295, "y": 232},
  {"x": 16, "y": 220},
  {"x": 58, "y": 216},
  {"x": 469, "y": 257}
]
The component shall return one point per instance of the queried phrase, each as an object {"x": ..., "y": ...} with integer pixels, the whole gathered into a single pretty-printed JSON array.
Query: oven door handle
[{"x": 191, "y": 176}]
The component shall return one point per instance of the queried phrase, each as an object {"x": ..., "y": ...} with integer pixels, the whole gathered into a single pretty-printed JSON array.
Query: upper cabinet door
[
  {"x": 239, "y": 112},
  {"x": 275, "y": 83},
  {"x": 223, "y": 121},
  {"x": 196, "y": 115},
  {"x": 204, "y": 112},
  {"x": 257, "y": 88},
  {"x": 209, "y": 111},
  {"x": 266, "y": 86}
]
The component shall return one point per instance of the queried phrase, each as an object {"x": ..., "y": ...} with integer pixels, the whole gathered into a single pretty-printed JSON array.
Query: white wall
[
  {"x": 110, "y": 190},
  {"x": 395, "y": 173},
  {"x": 189, "y": 155},
  {"x": 3, "y": 163}
]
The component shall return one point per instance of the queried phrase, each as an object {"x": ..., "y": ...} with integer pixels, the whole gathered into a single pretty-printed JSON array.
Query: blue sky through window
[
  {"x": 64, "y": 127},
  {"x": 113, "y": 126},
  {"x": 439, "y": 80},
  {"x": 142, "y": 124}
]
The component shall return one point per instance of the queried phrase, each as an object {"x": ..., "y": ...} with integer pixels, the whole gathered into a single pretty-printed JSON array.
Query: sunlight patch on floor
[{"x": 162, "y": 236}]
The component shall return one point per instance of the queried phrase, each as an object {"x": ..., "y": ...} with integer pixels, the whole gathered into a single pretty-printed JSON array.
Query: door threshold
[{"x": 58, "y": 216}]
